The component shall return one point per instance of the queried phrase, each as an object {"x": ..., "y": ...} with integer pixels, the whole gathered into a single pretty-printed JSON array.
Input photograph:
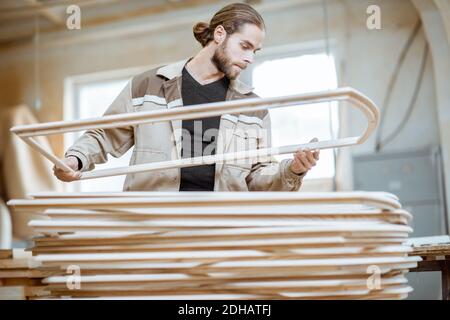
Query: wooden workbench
[{"x": 435, "y": 252}]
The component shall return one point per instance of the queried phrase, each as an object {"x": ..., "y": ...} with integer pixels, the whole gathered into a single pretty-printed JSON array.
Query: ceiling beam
[{"x": 166, "y": 17}]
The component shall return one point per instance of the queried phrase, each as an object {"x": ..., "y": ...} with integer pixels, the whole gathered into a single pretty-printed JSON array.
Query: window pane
[
  {"x": 92, "y": 101},
  {"x": 295, "y": 125}
]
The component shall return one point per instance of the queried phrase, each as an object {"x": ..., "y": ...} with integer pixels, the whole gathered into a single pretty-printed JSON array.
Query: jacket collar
[{"x": 175, "y": 70}]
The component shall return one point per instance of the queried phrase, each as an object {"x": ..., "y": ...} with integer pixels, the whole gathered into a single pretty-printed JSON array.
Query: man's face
[{"x": 238, "y": 50}]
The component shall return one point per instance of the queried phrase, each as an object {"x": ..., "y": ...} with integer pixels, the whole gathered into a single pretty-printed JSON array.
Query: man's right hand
[{"x": 71, "y": 162}]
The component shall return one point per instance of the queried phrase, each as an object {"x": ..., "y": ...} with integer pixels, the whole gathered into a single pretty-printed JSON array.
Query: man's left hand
[{"x": 305, "y": 159}]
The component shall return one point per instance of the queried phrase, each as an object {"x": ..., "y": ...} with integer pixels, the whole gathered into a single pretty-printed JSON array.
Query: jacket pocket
[
  {"x": 235, "y": 177},
  {"x": 245, "y": 138},
  {"x": 146, "y": 155}
]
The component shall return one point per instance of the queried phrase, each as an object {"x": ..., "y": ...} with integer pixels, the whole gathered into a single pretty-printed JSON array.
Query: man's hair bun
[
  {"x": 202, "y": 33},
  {"x": 231, "y": 17}
]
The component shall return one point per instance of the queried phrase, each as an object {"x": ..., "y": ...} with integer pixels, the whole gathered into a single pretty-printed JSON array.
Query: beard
[{"x": 222, "y": 62}]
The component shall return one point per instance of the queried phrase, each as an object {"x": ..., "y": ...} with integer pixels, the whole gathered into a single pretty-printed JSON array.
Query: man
[{"x": 229, "y": 43}]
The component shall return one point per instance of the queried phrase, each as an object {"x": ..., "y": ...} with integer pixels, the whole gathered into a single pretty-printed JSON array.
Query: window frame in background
[{"x": 292, "y": 51}]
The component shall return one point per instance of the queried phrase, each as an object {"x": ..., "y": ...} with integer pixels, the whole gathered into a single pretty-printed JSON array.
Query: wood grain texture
[
  {"x": 355, "y": 98},
  {"x": 233, "y": 245}
]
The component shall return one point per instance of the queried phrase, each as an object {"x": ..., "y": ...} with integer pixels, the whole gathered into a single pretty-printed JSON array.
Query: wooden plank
[
  {"x": 435, "y": 250},
  {"x": 378, "y": 200},
  {"x": 429, "y": 241},
  {"x": 317, "y": 247},
  {"x": 192, "y": 268},
  {"x": 217, "y": 227},
  {"x": 299, "y": 273},
  {"x": 287, "y": 292},
  {"x": 326, "y": 246},
  {"x": 224, "y": 265},
  {"x": 149, "y": 282},
  {"x": 336, "y": 274},
  {"x": 14, "y": 263},
  {"x": 202, "y": 110},
  {"x": 231, "y": 212},
  {"x": 206, "y": 256},
  {"x": 268, "y": 289},
  {"x": 355, "y": 99},
  {"x": 26, "y": 273},
  {"x": 175, "y": 194},
  {"x": 6, "y": 254}
]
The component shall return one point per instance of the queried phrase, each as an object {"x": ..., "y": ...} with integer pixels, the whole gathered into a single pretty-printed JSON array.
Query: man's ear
[{"x": 220, "y": 34}]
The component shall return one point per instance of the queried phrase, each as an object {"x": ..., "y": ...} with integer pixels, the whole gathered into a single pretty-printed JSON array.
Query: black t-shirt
[{"x": 200, "y": 135}]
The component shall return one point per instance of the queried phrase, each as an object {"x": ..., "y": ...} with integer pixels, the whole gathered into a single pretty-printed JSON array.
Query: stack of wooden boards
[
  {"x": 18, "y": 278},
  {"x": 194, "y": 245}
]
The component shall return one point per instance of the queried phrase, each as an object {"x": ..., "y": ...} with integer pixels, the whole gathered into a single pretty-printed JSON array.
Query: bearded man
[{"x": 229, "y": 43}]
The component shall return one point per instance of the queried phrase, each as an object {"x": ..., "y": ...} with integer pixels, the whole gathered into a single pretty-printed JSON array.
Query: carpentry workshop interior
[{"x": 323, "y": 129}]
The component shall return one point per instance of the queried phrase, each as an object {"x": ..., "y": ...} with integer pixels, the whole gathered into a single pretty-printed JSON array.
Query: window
[
  {"x": 296, "y": 125},
  {"x": 91, "y": 99}
]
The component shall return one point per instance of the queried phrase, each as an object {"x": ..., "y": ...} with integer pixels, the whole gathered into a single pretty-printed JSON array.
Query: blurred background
[{"x": 54, "y": 67}]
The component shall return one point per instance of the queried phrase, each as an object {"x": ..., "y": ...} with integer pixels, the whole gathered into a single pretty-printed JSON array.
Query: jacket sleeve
[
  {"x": 94, "y": 145},
  {"x": 268, "y": 174}
]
